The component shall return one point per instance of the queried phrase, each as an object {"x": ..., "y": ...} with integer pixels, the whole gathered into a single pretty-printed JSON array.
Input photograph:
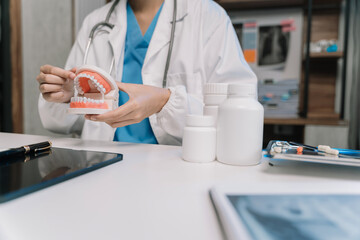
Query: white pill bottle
[
  {"x": 240, "y": 126},
  {"x": 214, "y": 95},
  {"x": 199, "y": 140}
]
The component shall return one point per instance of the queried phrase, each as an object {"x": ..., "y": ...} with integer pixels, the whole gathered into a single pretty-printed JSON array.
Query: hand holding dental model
[
  {"x": 96, "y": 93},
  {"x": 143, "y": 102}
]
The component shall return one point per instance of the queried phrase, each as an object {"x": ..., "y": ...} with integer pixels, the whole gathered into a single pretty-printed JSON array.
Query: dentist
[{"x": 205, "y": 50}]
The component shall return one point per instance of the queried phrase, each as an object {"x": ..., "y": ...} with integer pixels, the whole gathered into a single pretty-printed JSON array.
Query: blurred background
[{"x": 304, "y": 53}]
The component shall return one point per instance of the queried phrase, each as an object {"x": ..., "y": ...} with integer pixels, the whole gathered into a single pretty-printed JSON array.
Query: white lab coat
[{"x": 206, "y": 50}]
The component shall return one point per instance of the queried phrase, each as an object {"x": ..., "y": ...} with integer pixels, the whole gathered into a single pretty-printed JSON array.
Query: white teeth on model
[
  {"x": 86, "y": 100},
  {"x": 77, "y": 84},
  {"x": 98, "y": 86}
]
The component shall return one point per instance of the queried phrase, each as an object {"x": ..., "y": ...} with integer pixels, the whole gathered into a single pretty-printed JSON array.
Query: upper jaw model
[{"x": 95, "y": 92}]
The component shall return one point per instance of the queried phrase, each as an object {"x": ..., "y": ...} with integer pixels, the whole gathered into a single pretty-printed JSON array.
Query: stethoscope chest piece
[{"x": 95, "y": 91}]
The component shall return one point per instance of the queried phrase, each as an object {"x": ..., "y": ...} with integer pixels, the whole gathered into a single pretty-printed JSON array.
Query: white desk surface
[{"x": 151, "y": 194}]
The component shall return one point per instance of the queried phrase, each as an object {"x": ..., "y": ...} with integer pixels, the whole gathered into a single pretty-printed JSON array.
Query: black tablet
[{"x": 26, "y": 174}]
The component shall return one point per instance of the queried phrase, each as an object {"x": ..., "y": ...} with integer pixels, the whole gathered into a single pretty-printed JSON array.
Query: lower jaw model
[{"x": 95, "y": 92}]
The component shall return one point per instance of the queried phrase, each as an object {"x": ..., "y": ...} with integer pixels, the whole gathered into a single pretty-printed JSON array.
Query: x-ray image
[
  {"x": 273, "y": 45},
  {"x": 305, "y": 217}
]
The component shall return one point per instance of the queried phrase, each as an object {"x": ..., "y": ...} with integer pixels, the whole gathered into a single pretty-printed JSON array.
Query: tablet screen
[
  {"x": 277, "y": 217},
  {"x": 26, "y": 174}
]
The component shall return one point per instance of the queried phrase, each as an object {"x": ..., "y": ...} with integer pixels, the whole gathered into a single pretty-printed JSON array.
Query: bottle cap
[
  {"x": 216, "y": 88},
  {"x": 214, "y": 100},
  {"x": 200, "y": 121},
  {"x": 243, "y": 89}
]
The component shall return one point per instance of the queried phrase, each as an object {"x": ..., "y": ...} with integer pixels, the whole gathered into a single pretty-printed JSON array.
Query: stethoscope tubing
[
  {"x": 171, "y": 44},
  {"x": 107, "y": 24}
]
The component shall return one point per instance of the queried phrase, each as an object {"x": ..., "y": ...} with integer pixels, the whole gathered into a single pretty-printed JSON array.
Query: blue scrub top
[{"x": 136, "y": 47}]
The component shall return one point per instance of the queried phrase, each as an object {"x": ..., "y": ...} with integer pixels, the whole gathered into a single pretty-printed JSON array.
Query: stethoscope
[{"x": 106, "y": 23}]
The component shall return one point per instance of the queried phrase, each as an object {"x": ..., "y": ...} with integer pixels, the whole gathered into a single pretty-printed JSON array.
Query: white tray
[{"x": 83, "y": 111}]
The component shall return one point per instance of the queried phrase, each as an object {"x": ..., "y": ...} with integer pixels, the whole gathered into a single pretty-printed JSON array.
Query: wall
[
  {"x": 48, "y": 29},
  {"x": 82, "y": 8},
  {"x": 46, "y": 39},
  {"x": 334, "y": 136}
]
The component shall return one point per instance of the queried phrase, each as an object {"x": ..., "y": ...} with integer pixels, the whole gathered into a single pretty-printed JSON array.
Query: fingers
[
  {"x": 50, "y": 79},
  {"x": 121, "y": 86},
  {"x": 47, "y": 88},
  {"x": 122, "y": 124},
  {"x": 73, "y": 70},
  {"x": 126, "y": 120},
  {"x": 114, "y": 115},
  {"x": 48, "y": 69},
  {"x": 53, "y": 96},
  {"x": 54, "y": 83},
  {"x": 98, "y": 117},
  {"x": 122, "y": 116},
  {"x": 126, "y": 87}
]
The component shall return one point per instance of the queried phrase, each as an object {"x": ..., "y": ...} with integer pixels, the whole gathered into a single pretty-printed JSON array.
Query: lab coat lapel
[
  {"x": 161, "y": 35},
  {"x": 117, "y": 37}
]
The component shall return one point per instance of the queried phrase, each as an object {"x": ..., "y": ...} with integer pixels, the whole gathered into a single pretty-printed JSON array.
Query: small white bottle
[
  {"x": 240, "y": 127},
  {"x": 199, "y": 140},
  {"x": 214, "y": 95}
]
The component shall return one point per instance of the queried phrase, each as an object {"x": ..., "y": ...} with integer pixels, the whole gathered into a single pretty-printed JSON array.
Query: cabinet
[
  {"x": 318, "y": 85},
  {"x": 11, "y": 116}
]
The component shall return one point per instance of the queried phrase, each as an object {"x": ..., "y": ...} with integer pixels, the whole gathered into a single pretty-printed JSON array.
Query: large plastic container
[{"x": 240, "y": 126}]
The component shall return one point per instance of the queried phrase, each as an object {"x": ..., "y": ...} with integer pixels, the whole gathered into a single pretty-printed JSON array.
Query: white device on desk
[
  {"x": 272, "y": 43},
  {"x": 283, "y": 150},
  {"x": 282, "y": 212}
]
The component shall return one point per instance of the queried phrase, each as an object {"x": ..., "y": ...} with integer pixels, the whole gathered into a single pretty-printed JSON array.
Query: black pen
[
  {"x": 27, "y": 149},
  {"x": 24, "y": 158},
  {"x": 304, "y": 146}
]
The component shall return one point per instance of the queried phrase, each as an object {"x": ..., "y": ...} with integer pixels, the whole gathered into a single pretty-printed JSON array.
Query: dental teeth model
[{"x": 95, "y": 92}]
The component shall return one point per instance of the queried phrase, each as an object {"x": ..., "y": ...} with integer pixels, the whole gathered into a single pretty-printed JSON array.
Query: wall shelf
[
  {"x": 258, "y": 4},
  {"x": 261, "y": 4},
  {"x": 332, "y": 55},
  {"x": 305, "y": 121}
]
